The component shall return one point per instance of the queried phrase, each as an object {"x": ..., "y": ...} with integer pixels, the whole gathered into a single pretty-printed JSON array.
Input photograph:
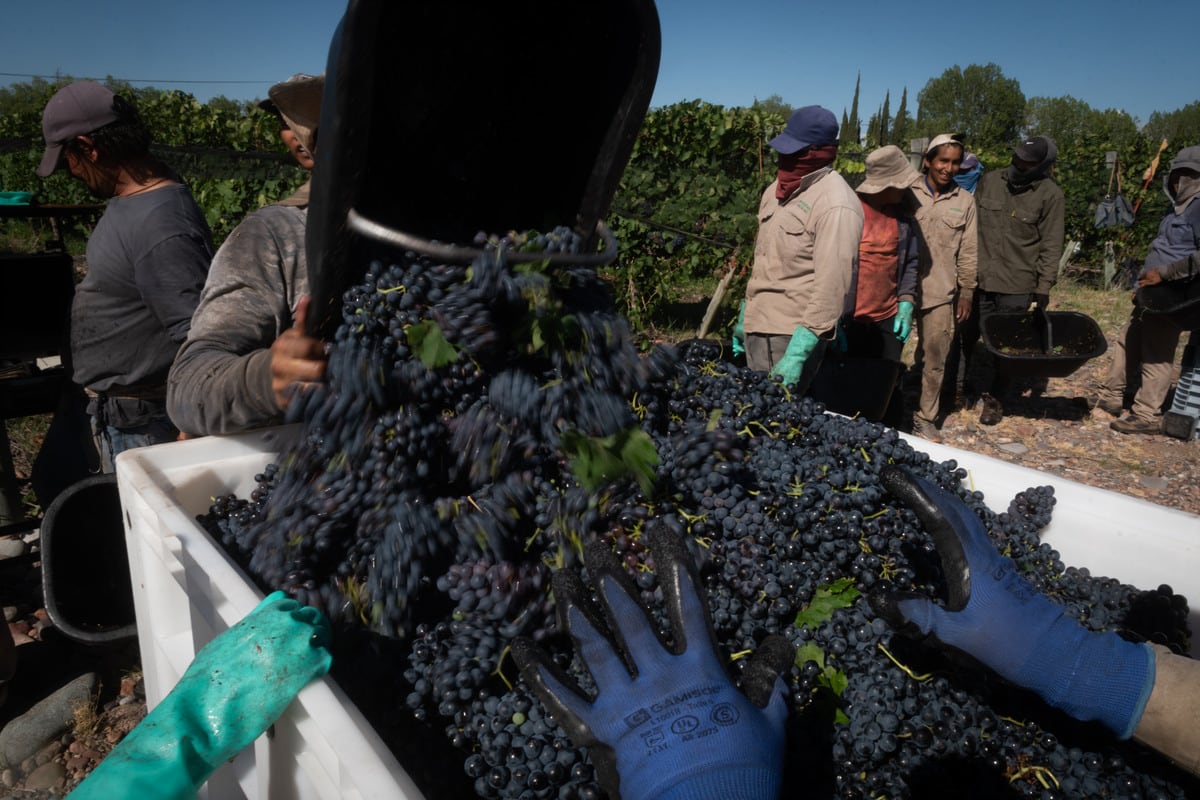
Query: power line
[{"x": 127, "y": 80}]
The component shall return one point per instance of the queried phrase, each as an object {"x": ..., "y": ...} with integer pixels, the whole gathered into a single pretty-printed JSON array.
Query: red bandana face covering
[{"x": 795, "y": 167}]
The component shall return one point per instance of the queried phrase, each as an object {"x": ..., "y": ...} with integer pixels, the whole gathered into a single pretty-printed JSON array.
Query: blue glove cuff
[
  {"x": 1092, "y": 676},
  {"x": 728, "y": 782}
]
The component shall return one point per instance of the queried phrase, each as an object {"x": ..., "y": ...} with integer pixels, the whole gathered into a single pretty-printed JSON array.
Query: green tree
[
  {"x": 884, "y": 116},
  {"x": 1180, "y": 127},
  {"x": 1067, "y": 120},
  {"x": 773, "y": 105},
  {"x": 978, "y": 102},
  {"x": 850, "y": 131},
  {"x": 902, "y": 123}
]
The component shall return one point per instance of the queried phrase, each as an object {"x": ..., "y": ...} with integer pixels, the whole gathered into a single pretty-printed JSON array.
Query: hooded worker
[{"x": 1021, "y": 222}]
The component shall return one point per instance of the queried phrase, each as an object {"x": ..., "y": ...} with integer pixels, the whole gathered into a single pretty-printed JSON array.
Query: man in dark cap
[
  {"x": 1021, "y": 220},
  {"x": 248, "y": 346},
  {"x": 805, "y": 255},
  {"x": 147, "y": 260}
]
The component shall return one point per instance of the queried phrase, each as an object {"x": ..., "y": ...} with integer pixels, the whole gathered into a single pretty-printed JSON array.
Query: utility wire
[{"x": 128, "y": 80}]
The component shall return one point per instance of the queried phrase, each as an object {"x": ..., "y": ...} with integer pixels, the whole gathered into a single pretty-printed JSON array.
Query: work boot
[
  {"x": 1112, "y": 407},
  {"x": 926, "y": 429},
  {"x": 1132, "y": 424},
  {"x": 992, "y": 411}
]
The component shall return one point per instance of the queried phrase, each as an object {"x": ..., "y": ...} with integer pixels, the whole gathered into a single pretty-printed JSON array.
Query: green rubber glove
[
  {"x": 739, "y": 332},
  {"x": 902, "y": 324},
  {"x": 234, "y": 689},
  {"x": 789, "y": 367},
  {"x": 840, "y": 340}
]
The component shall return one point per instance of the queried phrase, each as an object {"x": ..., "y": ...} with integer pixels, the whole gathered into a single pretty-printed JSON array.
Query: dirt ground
[{"x": 1061, "y": 435}]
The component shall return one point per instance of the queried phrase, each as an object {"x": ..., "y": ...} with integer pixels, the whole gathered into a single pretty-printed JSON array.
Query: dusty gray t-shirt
[
  {"x": 147, "y": 261},
  {"x": 221, "y": 380}
]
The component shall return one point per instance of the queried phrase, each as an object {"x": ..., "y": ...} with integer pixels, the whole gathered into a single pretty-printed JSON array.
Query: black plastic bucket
[
  {"x": 85, "y": 567},
  {"x": 855, "y": 385}
]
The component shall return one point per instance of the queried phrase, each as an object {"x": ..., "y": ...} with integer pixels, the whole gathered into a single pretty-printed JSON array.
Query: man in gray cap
[
  {"x": 805, "y": 254},
  {"x": 1021, "y": 222},
  {"x": 946, "y": 215},
  {"x": 248, "y": 347},
  {"x": 146, "y": 264}
]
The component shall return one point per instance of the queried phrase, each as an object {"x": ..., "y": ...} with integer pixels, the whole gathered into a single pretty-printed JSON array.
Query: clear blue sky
[{"x": 1109, "y": 54}]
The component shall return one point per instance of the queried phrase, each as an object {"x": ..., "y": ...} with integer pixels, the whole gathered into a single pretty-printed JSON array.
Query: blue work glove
[
  {"x": 994, "y": 615},
  {"x": 789, "y": 367},
  {"x": 739, "y": 331},
  {"x": 840, "y": 341},
  {"x": 665, "y": 723},
  {"x": 902, "y": 324},
  {"x": 234, "y": 689}
]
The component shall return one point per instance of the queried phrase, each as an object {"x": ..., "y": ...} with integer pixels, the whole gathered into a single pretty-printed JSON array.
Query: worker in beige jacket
[
  {"x": 946, "y": 218},
  {"x": 805, "y": 255}
]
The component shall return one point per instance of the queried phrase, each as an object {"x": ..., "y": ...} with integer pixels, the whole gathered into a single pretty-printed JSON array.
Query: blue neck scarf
[{"x": 968, "y": 179}]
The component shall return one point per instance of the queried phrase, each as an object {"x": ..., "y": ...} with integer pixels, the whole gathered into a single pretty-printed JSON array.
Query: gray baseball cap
[{"x": 76, "y": 109}]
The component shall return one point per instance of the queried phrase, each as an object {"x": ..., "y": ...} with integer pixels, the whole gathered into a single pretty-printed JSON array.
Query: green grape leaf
[
  {"x": 595, "y": 461},
  {"x": 839, "y": 594},
  {"x": 810, "y": 651},
  {"x": 836, "y": 680},
  {"x": 429, "y": 344}
]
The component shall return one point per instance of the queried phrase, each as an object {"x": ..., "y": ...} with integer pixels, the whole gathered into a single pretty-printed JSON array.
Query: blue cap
[{"x": 808, "y": 126}]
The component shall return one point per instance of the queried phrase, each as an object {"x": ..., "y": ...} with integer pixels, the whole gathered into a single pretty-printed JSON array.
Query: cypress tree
[
  {"x": 900, "y": 126},
  {"x": 850, "y": 132}
]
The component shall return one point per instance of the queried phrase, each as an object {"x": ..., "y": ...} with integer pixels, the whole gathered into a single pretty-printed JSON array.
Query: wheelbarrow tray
[
  {"x": 1179, "y": 300},
  {"x": 1015, "y": 343}
]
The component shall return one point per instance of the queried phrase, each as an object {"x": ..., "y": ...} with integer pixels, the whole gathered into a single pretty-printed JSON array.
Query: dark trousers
[{"x": 987, "y": 303}]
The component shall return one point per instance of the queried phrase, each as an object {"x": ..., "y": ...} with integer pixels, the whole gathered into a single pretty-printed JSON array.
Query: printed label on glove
[{"x": 682, "y": 716}]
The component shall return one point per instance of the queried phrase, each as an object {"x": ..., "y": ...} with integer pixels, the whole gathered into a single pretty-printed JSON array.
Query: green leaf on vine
[
  {"x": 829, "y": 598},
  {"x": 429, "y": 344},
  {"x": 597, "y": 460}
]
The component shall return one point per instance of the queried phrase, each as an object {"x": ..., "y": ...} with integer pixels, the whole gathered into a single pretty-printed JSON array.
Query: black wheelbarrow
[
  {"x": 442, "y": 120},
  {"x": 1178, "y": 300},
  {"x": 1023, "y": 344},
  {"x": 85, "y": 568}
]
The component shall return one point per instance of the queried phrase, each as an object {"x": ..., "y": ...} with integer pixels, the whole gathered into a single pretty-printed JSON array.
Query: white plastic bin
[{"x": 187, "y": 590}]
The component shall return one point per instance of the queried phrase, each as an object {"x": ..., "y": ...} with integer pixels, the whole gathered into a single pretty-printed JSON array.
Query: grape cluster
[{"x": 482, "y": 423}]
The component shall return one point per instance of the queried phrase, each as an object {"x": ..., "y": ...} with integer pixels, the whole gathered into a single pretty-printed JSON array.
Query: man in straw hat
[
  {"x": 947, "y": 220},
  {"x": 247, "y": 349},
  {"x": 886, "y": 285}
]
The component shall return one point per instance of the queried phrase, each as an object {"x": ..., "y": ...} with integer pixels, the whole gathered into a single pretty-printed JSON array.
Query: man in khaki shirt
[
  {"x": 946, "y": 217},
  {"x": 805, "y": 255}
]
